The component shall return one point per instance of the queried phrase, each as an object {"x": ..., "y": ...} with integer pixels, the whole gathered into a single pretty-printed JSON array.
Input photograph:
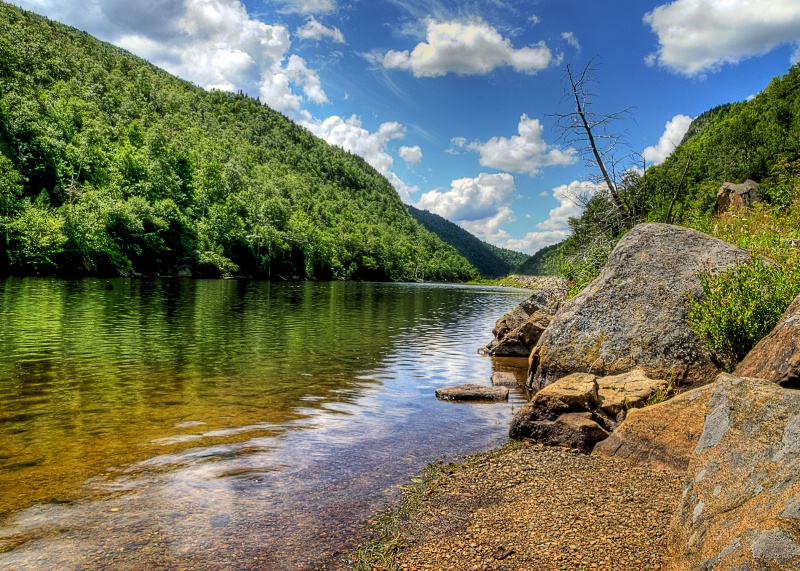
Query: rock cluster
[
  {"x": 580, "y": 409},
  {"x": 517, "y": 331},
  {"x": 634, "y": 314}
]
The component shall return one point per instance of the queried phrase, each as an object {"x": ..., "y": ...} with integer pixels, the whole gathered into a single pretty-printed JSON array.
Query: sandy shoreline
[{"x": 532, "y": 508}]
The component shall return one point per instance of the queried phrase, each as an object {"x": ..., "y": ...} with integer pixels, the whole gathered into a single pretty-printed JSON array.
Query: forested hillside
[
  {"x": 109, "y": 165},
  {"x": 757, "y": 139},
  {"x": 489, "y": 260}
]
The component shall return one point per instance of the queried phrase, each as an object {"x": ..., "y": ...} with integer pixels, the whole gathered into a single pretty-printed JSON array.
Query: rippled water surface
[{"x": 187, "y": 424}]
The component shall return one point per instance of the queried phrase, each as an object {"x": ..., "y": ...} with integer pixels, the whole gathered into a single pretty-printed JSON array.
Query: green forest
[
  {"x": 489, "y": 260},
  {"x": 111, "y": 166}
]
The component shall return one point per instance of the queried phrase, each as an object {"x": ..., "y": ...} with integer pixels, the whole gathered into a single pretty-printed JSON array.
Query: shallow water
[{"x": 187, "y": 424}]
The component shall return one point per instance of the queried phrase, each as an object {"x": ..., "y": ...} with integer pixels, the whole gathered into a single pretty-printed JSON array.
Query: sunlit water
[{"x": 181, "y": 424}]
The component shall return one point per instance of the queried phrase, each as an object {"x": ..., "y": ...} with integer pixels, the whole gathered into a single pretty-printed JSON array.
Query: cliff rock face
[
  {"x": 663, "y": 435},
  {"x": 741, "y": 506},
  {"x": 634, "y": 314},
  {"x": 776, "y": 357}
]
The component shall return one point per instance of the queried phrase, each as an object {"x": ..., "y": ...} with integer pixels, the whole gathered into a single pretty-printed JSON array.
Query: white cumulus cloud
[
  {"x": 350, "y": 135},
  {"x": 674, "y": 131},
  {"x": 307, "y": 6},
  {"x": 313, "y": 30},
  {"x": 480, "y": 204},
  {"x": 411, "y": 155},
  {"x": 555, "y": 228},
  {"x": 466, "y": 48},
  {"x": 523, "y": 153},
  {"x": 697, "y": 36}
]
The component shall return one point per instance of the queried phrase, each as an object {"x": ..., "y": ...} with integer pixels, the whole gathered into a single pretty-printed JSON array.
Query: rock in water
[
  {"x": 776, "y": 357},
  {"x": 663, "y": 435},
  {"x": 741, "y": 506},
  {"x": 634, "y": 314},
  {"x": 501, "y": 379},
  {"x": 472, "y": 392}
]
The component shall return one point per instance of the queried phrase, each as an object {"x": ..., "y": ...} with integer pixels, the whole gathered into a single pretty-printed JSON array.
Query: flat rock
[
  {"x": 662, "y": 435},
  {"x": 472, "y": 392},
  {"x": 501, "y": 379},
  {"x": 741, "y": 506},
  {"x": 776, "y": 357},
  {"x": 620, "y": 393},
  {"x": 634, "y": 314}
]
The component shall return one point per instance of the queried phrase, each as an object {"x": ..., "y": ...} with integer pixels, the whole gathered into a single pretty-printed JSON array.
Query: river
[{"x": 224, "y": 424}]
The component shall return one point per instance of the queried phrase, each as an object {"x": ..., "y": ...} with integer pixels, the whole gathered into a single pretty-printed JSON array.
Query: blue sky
[{"x": 451, "y": 99}]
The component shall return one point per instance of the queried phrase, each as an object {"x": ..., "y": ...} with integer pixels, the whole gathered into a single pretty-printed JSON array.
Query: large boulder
[
  {"x": 517, "y": 331},
  {"x": 634, "y": 314},
  {"x": 741, "y": 506},
  {"x": 776, "y": 357},
  {"x": 732, "y": 196},
  {"x": 662, "y": 435},
  {"x": 550, "y": 415}
]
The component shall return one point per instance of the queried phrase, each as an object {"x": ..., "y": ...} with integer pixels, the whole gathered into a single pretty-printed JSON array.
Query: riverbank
[{"x": 526, "y": 506}]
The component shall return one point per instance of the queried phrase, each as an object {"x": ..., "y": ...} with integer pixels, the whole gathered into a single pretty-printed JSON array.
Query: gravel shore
[{"x": 532, "y": 508}]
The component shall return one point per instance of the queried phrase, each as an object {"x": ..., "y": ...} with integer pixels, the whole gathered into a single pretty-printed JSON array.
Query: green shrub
[{"x": 740, "y": 306}]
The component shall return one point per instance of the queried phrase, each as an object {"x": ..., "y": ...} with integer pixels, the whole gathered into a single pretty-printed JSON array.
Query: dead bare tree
[{"x": 598, "y": 139}]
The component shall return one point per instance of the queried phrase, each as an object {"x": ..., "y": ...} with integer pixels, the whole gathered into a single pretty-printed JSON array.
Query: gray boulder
[
  {"x": 634, "y": 314},
  {"x": 576, "y": 430},
  {"x": 741, "y": 506}
]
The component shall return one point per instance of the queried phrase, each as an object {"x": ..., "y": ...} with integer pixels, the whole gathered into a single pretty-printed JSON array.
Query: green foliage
[
  {"x": 740, "y": 306},
  {"x": 545, "y": 262},
  {"x": 660, "y": 395},
  {"x": 109, "y": 165},
  {"x": 489, "y": 260}
]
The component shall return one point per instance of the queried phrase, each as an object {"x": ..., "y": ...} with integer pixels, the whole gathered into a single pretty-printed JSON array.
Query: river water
[{"x": 231, "y": 425}]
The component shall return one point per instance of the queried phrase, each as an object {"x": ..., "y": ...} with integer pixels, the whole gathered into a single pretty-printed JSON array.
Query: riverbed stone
[
  {"x": 504, "y": 379},
  {"x": 634, "y": 314},
  {"x": 662, "y": 435},
  {"x": 741, "y": 506},
  {"x": 776, "y": 357},
  {"x": 472, "y": 392}
]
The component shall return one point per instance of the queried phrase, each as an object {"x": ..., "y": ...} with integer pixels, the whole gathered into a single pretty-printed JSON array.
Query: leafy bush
[{"x": 740, "y": 306}]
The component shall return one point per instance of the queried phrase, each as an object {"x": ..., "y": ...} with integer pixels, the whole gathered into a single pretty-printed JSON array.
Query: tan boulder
[
  {"x": 662, "y": 435},
  {"x": 731, "y": 196},
  {"x": 619, "y": 393},
  {"x": 741, "y": 506},
  {"x": 776, "y": 357}
]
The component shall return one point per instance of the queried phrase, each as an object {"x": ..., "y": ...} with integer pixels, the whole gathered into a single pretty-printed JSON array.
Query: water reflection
[{"x": 223, "y": 424}]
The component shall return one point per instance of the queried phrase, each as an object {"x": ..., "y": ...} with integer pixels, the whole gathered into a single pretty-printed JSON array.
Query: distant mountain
[
  {"x": 109, "y": 165},
  {"x": 542, "y": 263},
  {"x": 489, "y": 260}
]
